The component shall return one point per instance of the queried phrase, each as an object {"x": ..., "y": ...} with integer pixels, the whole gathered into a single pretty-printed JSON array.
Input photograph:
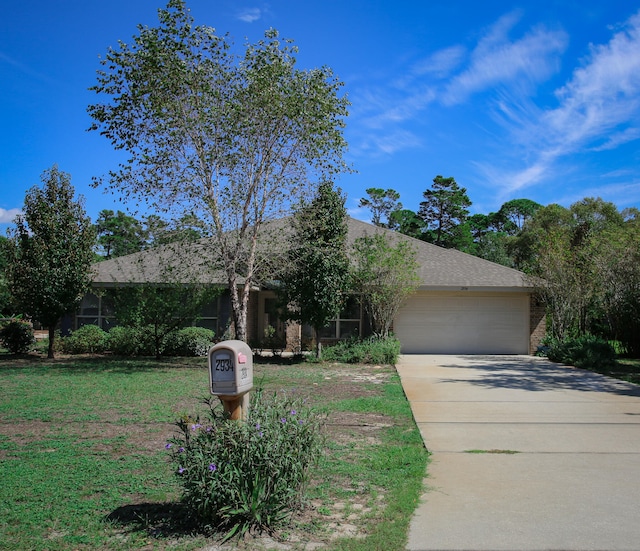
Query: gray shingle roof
[
  {"x": 449, "y": 268},
  {"x": 445, "y": 269}
]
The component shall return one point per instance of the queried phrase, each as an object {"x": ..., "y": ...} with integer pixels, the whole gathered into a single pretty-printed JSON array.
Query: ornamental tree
[
  {"x": 234, "y": 141},
  {"x": 385, "y": 274},
  {"x": 50, "y": 252}
]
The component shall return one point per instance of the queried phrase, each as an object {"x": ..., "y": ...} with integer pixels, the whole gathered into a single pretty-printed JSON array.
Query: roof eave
[{"x": 477, "y": 289}]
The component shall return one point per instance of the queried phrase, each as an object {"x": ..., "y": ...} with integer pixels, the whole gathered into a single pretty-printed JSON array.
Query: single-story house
[{"x": 464, "y": 304}]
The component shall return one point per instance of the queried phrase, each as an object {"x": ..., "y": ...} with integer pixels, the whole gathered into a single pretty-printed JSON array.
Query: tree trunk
[
  {"x": 318, "y": 344},
  {"x": 238, "y": 313},
  {"x": 52, "y": 334}
]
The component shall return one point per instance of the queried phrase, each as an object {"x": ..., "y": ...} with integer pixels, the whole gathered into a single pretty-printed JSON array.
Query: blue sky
[{"x": 537, "y": 100}]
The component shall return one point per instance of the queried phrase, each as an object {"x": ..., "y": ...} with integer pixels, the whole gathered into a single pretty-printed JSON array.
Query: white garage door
[{"x": 464, "y": 323}]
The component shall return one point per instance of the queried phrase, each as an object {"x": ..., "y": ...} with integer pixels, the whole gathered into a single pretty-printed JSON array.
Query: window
[
  {"x": 95, "y": 310},
  {"x": 209, "y": 316},
  {"x": 98, "y": 310},
  {"x": 349, "y": 322}
]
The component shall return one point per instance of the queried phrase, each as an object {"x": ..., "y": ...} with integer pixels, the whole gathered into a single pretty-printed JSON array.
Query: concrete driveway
[{"x": 574, "y": 483}]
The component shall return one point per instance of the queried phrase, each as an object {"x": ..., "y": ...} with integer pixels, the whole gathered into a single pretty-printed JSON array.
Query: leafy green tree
[
  {"x": 5, "y": 295},
  {"x": 50, "y": 252},
  {"x": 382, "y": 203},
  {"x": 118, "y": 234},
  {"x": 234, "y": 142},
  {"x": 489, "y": 237},
  {"x": 525, "y": 246},
  {"x": 618, "y": 262},
  {"x": 317, "y": 280},
  {"x": 385, "y": 274},
  {"x": 406, "y": 222},
  {"x": 158, "y": 231},
  {"x": 563, "y": 248},
  {"x": 445, "y": 207},
  {"x": 517, "y": 211}
]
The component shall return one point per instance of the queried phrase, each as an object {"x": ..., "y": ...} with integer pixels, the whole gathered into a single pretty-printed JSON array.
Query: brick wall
[{"x": 537, "y": 324}]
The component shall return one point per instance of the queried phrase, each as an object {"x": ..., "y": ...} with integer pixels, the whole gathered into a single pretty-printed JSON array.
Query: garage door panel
[{"x": 464, "y": 324}]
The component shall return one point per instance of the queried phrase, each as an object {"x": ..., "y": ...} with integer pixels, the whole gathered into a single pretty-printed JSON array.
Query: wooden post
[{"x": 236, "y": 406}]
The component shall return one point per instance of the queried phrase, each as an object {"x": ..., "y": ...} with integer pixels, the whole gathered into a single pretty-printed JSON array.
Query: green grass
[
  {"x": 83, "y": 464},
  {"x": 626, "y": 369}
]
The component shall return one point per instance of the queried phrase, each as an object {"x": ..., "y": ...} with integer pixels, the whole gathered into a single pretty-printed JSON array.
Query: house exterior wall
[
  {"x": 252, "y": 317},
  {"x": 537, "y": 324}
]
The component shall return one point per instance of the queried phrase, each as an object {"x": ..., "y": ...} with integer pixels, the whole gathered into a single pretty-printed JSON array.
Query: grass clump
[{"x": 240, "y": 477}]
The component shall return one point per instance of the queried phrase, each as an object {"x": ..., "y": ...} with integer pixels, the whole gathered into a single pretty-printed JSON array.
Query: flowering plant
[{"x": 251, "y": 475}]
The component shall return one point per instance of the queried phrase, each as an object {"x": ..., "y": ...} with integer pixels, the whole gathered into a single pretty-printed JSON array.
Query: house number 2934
[{"x": 224, "y": 364}]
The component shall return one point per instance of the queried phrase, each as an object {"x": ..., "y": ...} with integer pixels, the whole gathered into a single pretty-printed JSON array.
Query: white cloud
[
  {"x": 620, "y": 194},
  {"x": 249, "y": 15},
  {"x": 7, "y": 216},
  {"x": 494, "y": 62},
  {"x": 397, "y": 110},
  {"x": 386, "y": 143},
  {"x": 598, "y": 109},
  {"x": 442, "y": 63},
  {"x": 497, "y": 60},
  {"x": 601, "y": 95},
  {"x": 618, "y": 138}
]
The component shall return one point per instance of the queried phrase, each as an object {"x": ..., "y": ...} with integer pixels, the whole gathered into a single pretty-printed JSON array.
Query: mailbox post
[{"x": 231, "y": 376}]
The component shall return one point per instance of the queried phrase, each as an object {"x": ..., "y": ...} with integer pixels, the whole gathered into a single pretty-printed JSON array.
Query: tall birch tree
[{"x": 232, "y": 140}]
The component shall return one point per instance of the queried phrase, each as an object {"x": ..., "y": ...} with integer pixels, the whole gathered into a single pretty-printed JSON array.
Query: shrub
[
  {"x": 132, "y": 341},
  {"x": 586, "y": 352},
  {"x": 247, "y": 476},
  {"x": 190, "y": 341},
  {"x": 88, "y": 339},
  {"x": 17, "y": 336},
  {"x": 374, "y": 350}
]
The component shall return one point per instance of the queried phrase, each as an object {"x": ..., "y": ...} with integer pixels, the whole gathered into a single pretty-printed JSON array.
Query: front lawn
[{"x": 83, "y": 461}]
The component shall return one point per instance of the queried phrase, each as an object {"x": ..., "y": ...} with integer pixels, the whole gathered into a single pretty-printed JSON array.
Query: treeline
[
  {"x": 584, "y": 260},
  {"x": 119, "y": 234}
]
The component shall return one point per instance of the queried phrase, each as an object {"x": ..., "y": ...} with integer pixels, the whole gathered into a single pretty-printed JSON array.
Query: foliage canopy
[
  {"x": 50, "y": 252},
  {"x": 232, "y": 141},
  {"x": 385, "y": 276},
  {"x": 317, "y": 280}
]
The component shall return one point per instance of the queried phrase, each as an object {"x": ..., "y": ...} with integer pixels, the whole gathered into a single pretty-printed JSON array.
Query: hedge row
[{"x": 137, "y": 341}]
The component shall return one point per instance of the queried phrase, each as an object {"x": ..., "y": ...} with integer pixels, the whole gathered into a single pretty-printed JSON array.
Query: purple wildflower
[
  {"x": 180, "y": 449},
  {"x": 181, "y": 470},
  {"x": 168, "y": 446},
  {"x": 283, "y": 420},
  {"x": 212, "y": 468},
  {"x": 293, "y": 412}
]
